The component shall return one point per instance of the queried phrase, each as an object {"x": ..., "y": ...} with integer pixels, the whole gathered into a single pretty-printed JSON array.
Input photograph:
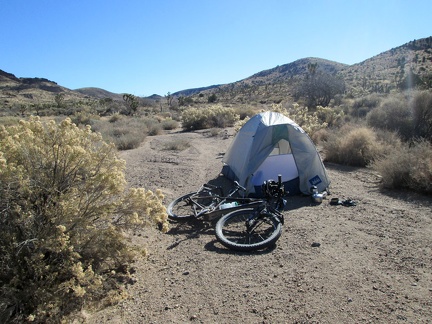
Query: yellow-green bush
[
  {"x": 209, "y": 117},
  {"x": 309, "y": 121},
  {"x": 64, "y": 209}
]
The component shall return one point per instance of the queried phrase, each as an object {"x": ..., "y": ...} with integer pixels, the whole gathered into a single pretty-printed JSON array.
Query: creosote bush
[{"x": 64, "y": 212}]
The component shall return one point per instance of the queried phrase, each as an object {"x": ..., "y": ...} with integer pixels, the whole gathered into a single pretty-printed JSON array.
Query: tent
[{"x": 270, "y": 144}]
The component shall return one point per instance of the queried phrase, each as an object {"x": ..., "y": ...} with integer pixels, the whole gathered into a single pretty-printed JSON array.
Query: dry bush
[
  {"x": 126, "y": 132},
  {"x": 115, "y": 117},
  {"x": 65, "y": 209},
  {"x": 320, "y": 136},
  {"x": 246, "y": 111},
  {"x": 177, "y": 145},
  {"x": 308, "y": 121},
  {"x": 170, "y": 124},
  {"x": 84, "y": 117},
  {"x": 331, "y": 116},
  {"x": 212, "y": 116},
  {"x": 356, "y": 146},
  {"x": 392, "y": 114},
  {"x": 407, "y": 167},
  {"x": 361, "y": 106},
  {"x": 154, "y": 129},
  {"x": 421, "y": 105}
]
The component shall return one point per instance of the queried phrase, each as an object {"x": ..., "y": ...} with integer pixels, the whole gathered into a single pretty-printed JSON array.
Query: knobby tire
[
  {"x": 231, "y": 230},
  {"x": 181, "y": 208}
]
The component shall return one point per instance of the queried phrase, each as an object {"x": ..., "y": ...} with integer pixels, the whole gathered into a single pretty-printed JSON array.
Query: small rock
[{"x": 316, "y": 244}]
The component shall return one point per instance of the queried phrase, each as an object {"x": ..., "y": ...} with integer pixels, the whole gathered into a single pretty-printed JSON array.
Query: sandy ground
[{"x": 373, "y": 265}]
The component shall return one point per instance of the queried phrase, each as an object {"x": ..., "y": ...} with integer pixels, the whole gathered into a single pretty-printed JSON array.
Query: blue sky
[{"x": 159, "y": 46}]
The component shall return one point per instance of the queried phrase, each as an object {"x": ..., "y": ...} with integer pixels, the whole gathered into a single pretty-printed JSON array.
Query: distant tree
[
  {"x": 169, "y": 99},
  {"x": 212, "y": 98},
  {"x": 59, "y": 99},
  {"x": 318, "y": 88},
  {"x": 131, "y": 102},
  {"x": 183, "y": 100}
]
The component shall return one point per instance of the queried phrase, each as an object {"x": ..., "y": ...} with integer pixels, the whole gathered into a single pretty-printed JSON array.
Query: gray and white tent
[{"x": 270, "y": 144}]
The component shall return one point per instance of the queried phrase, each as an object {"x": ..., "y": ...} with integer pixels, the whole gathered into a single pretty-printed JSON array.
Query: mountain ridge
[{"x": 383, "y": 72}]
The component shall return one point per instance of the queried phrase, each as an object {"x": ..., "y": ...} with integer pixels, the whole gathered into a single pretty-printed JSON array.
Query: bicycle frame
[{"x": 214, "y": 210}]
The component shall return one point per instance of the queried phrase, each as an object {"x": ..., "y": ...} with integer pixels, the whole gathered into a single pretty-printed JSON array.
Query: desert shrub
[
  {"x": 126, "y": 133},
  {"x": 309, "y": 121},
  {"x": 392, "y": 114},
  {"x": 246, "y": 111},
  {"x": 154, "y": 129},
  {"x": 64, "y": 209},
  {"x": 9, "y": 120},
  {"x": 421, "y": 104},
  {"x": 115, "y": 117},
  {"x": 407, "y": 167},
  {"x": 356, "y": 147},
  {"x": 176, "y": 145},
  {"x": 363, "y": 105},
  {"x": 213, "y": 116},
  {"x": 331, "y": 116},
  {"x": 169, "y": 124},
  {"x": 322, "y": 135},
  {"x": 84, "y": 118}
]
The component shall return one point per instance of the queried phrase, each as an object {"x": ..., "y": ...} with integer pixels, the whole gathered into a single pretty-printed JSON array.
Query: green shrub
[
  {"x": 213, "y": 116},
  {"x": 64, "y": 211},
  {"x": 407, "y": 167}
]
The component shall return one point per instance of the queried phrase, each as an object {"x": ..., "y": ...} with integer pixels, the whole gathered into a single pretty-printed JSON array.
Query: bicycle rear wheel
[
  {"x": 181, "y": 208},
  {"x": 190, "y": 205},
  {"x": 248, "y": 230}
]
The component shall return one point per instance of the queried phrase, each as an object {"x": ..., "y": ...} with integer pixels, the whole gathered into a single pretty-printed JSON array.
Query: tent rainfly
[{"x": 270, "y": 144}]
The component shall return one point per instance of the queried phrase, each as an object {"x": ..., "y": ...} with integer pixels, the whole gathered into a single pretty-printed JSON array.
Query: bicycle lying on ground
[{"x": 245, "y": 224}]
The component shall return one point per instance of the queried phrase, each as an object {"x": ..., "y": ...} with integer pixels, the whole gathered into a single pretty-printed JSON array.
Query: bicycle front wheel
[{"x": 248, "y": 230}]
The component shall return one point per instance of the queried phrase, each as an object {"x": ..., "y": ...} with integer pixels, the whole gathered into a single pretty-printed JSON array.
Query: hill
[
  {"x": 99, "y": 93},
  {"x": 409, "y": 65},
  {"x": 406, "y": 66}
]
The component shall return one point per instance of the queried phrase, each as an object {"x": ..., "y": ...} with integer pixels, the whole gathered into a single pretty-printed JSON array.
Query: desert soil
[{"x": 373, "y": 263}]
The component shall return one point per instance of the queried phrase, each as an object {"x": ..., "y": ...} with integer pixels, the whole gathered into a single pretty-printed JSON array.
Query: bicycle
[
  {"x": 246, "y": 224},
  {"x": 250, "y": 229},
  {"x": 209, "y": 202}
]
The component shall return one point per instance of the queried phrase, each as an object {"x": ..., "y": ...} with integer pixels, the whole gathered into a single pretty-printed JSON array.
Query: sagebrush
[{"x": 64, "y": 210}]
